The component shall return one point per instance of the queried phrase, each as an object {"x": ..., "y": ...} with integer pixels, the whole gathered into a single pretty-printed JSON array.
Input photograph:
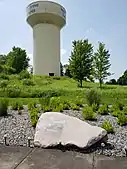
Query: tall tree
[
  {"x": 101, "y": 63},
  {"x": 123, "y": 79},
  {"x": 18, "y": 59},
  {"x": 81, "y": 60},
  {"x": 3, "y": 59}
]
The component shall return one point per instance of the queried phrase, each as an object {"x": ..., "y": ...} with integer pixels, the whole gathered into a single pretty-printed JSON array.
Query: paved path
[{"x": 27, "y": 158}]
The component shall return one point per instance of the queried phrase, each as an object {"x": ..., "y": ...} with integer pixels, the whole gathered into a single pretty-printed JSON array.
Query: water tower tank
[{"x": 46, "y": 19}]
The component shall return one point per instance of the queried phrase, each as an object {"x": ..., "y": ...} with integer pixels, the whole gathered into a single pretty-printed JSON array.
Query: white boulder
[{"x": 55, "y": 128}]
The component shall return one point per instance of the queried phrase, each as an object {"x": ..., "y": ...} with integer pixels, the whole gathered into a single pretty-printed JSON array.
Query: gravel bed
[
  {"x": 117, "y": 141},
  {"x": 18, "y": 128}
]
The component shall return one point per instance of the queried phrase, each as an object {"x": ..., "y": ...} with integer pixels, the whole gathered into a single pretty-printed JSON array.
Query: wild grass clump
[
  {"x": 103, "y": 110},
  {"x": 28, "y": 82},
  {"x": 24, "y": 75},
  {"x": 108, "y": 126},
  {"x": 34, "y": 116},
  {"x": 13, "y": 91},
  {"x": 122, "y": 119},
  {"x": 93, "y": 97}
]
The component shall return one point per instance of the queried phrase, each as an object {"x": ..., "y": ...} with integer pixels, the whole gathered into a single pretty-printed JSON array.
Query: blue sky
[{"x": 97, "y": 20}]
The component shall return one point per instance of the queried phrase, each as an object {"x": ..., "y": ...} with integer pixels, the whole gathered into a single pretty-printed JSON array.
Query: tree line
[{"x": 84, "y": 64}]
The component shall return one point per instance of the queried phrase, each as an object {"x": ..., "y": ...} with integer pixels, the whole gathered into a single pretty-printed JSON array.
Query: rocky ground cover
[{"x": 18, "y": 128}]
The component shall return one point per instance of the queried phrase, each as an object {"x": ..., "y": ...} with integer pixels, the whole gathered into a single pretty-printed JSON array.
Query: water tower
[{"x": 46, "y": 18}]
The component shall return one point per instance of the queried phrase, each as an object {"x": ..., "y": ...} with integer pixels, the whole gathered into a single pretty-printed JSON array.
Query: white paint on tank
[{"x": 46, "y": 18}]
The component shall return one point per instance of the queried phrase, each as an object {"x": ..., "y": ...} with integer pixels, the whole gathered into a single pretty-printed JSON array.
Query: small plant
[
  {"x": 13, "y": 92},
  {"x": 34, "y": 116},
  {"x": 66, "y": 106},
  {"x": 125, "y": 110},
  {"x": 119, "y": 105},
  {"x": 108, "y": 127},
  {"x": 88, "y": 113},
  {"x": 28, "y": 82},
  {"x": 4, "y": 76},
  {"x": 24, "y": 75},
  {"x": 103, "y": 110},
  {"x": 45, "y": 104},
  {"x": 116, "y": 113},
  {"x": 74, "y": 106},
  {"x": 59, "y": 108},
  {"x": 93, "y": 97},
  {"x": 122, "y": 119},
  {"x": 3, "y": 107},
  {"x": 94, "y": 107},
  {"x": 79, "y": 102},
  {"x": 3, "y": 83}
]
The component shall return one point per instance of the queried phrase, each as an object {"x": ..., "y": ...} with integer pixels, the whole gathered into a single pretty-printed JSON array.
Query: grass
[{"x": 67, "y": 89}]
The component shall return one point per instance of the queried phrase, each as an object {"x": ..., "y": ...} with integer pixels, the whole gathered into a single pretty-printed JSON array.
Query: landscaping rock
[{"x": 55, "y": 128}]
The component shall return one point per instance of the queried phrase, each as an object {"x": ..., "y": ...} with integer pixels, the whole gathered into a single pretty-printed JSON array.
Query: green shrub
[
  {"x": 107, "y": 126},
  {"x": 3, "y": 107},
  {"x": 122, "y": 119},
  {"x": 88, "y": 113},
  {"x": 125, "y": 110},
  {"x": 54, "y": 102},
  {"x": 94, "y": 107},
  {"x": 58, "y": 108},
  {"x": 13, "y": 92},
  {"x": 66, "y": 106},
  {"x": 4, "y": 83},
  {"x": 79, "y": 101},
  {"x": 73, "y": 106},
  {"x": 28, "y": 82},
  {"x": 56, "y": 78},
  {"x": 103, "y": 110},
  {"x": 34, "y": 116},
  {"x": 115, "y": 113},
  {"x": 4, "y": 76},
  {"x": 45, "y": 104},
  {"x": 93, "y": 97},
  {"x": 24, "y": 75}
]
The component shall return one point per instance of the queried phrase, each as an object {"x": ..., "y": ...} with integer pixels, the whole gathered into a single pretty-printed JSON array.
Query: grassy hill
[{"x": 21, "y": 89}]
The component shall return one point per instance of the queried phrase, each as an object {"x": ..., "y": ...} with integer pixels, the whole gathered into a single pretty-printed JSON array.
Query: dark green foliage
[
  {"x": 4, "y": 76},
  {"x": 61, "y": 69},
  {"x": 24, "y": 75},
  {"x": 122, "y": 119},
  {"x": 28, "y": 82},
  {"x": 18, "y": 60},
  {"x": 81, "y": 60},
  {"x": 101, "y": 63},
  {"x": 93, "y": 97},
  {"x": 94, "y": 107},
  {"x": 108, "y": 127},
  {"x": 73, "y": 106},
  {"x": 123, "y": 79},
  {"x": 67, "y": 71},
  {"x": 88, "y": 113},
  {"x": 103, "y": 110},
  {"x": 34, "y": 116},
  {"x": 112, "y": 82},
  {"x": 13, "y": 92},
  {"x": 4, "y": 83},
  {"x": 3, "y": 107}
]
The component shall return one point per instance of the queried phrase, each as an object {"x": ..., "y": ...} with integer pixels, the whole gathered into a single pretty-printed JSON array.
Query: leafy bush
[
  {"x": 13, "y": 92},
  {"x": 125, "y": 110},
  {"x": 116, "y": 113},
  {"x": 28, "y": 82},
  {"x": 103, "y": 110},
  {"x": 66, "y": 106},
  {"x": 122, "y": 119},
  {"x": 34, "y": 116},
  {"x": 88, "y": 113},
  {"x": 58, "y": 108},
  {"x": 73, "y": 106},
  {"x": 4, "y": 76},
  {"x": 107, "y": 126},
  {"x": 4, "y": 83},
  {"x": 45, "y": 104},
  {"x": 119, "y": 105},
  {"x": 93, "y": 97},
  {"x": 79, "y": 101},
  {"x": 94, "y": 107},
  {"x": 24, "y": 75},
  {"x": 3, "y": 107}
]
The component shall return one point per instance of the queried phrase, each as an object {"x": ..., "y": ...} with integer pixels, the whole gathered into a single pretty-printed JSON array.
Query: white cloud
[{"x": 63, "y": 52}]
